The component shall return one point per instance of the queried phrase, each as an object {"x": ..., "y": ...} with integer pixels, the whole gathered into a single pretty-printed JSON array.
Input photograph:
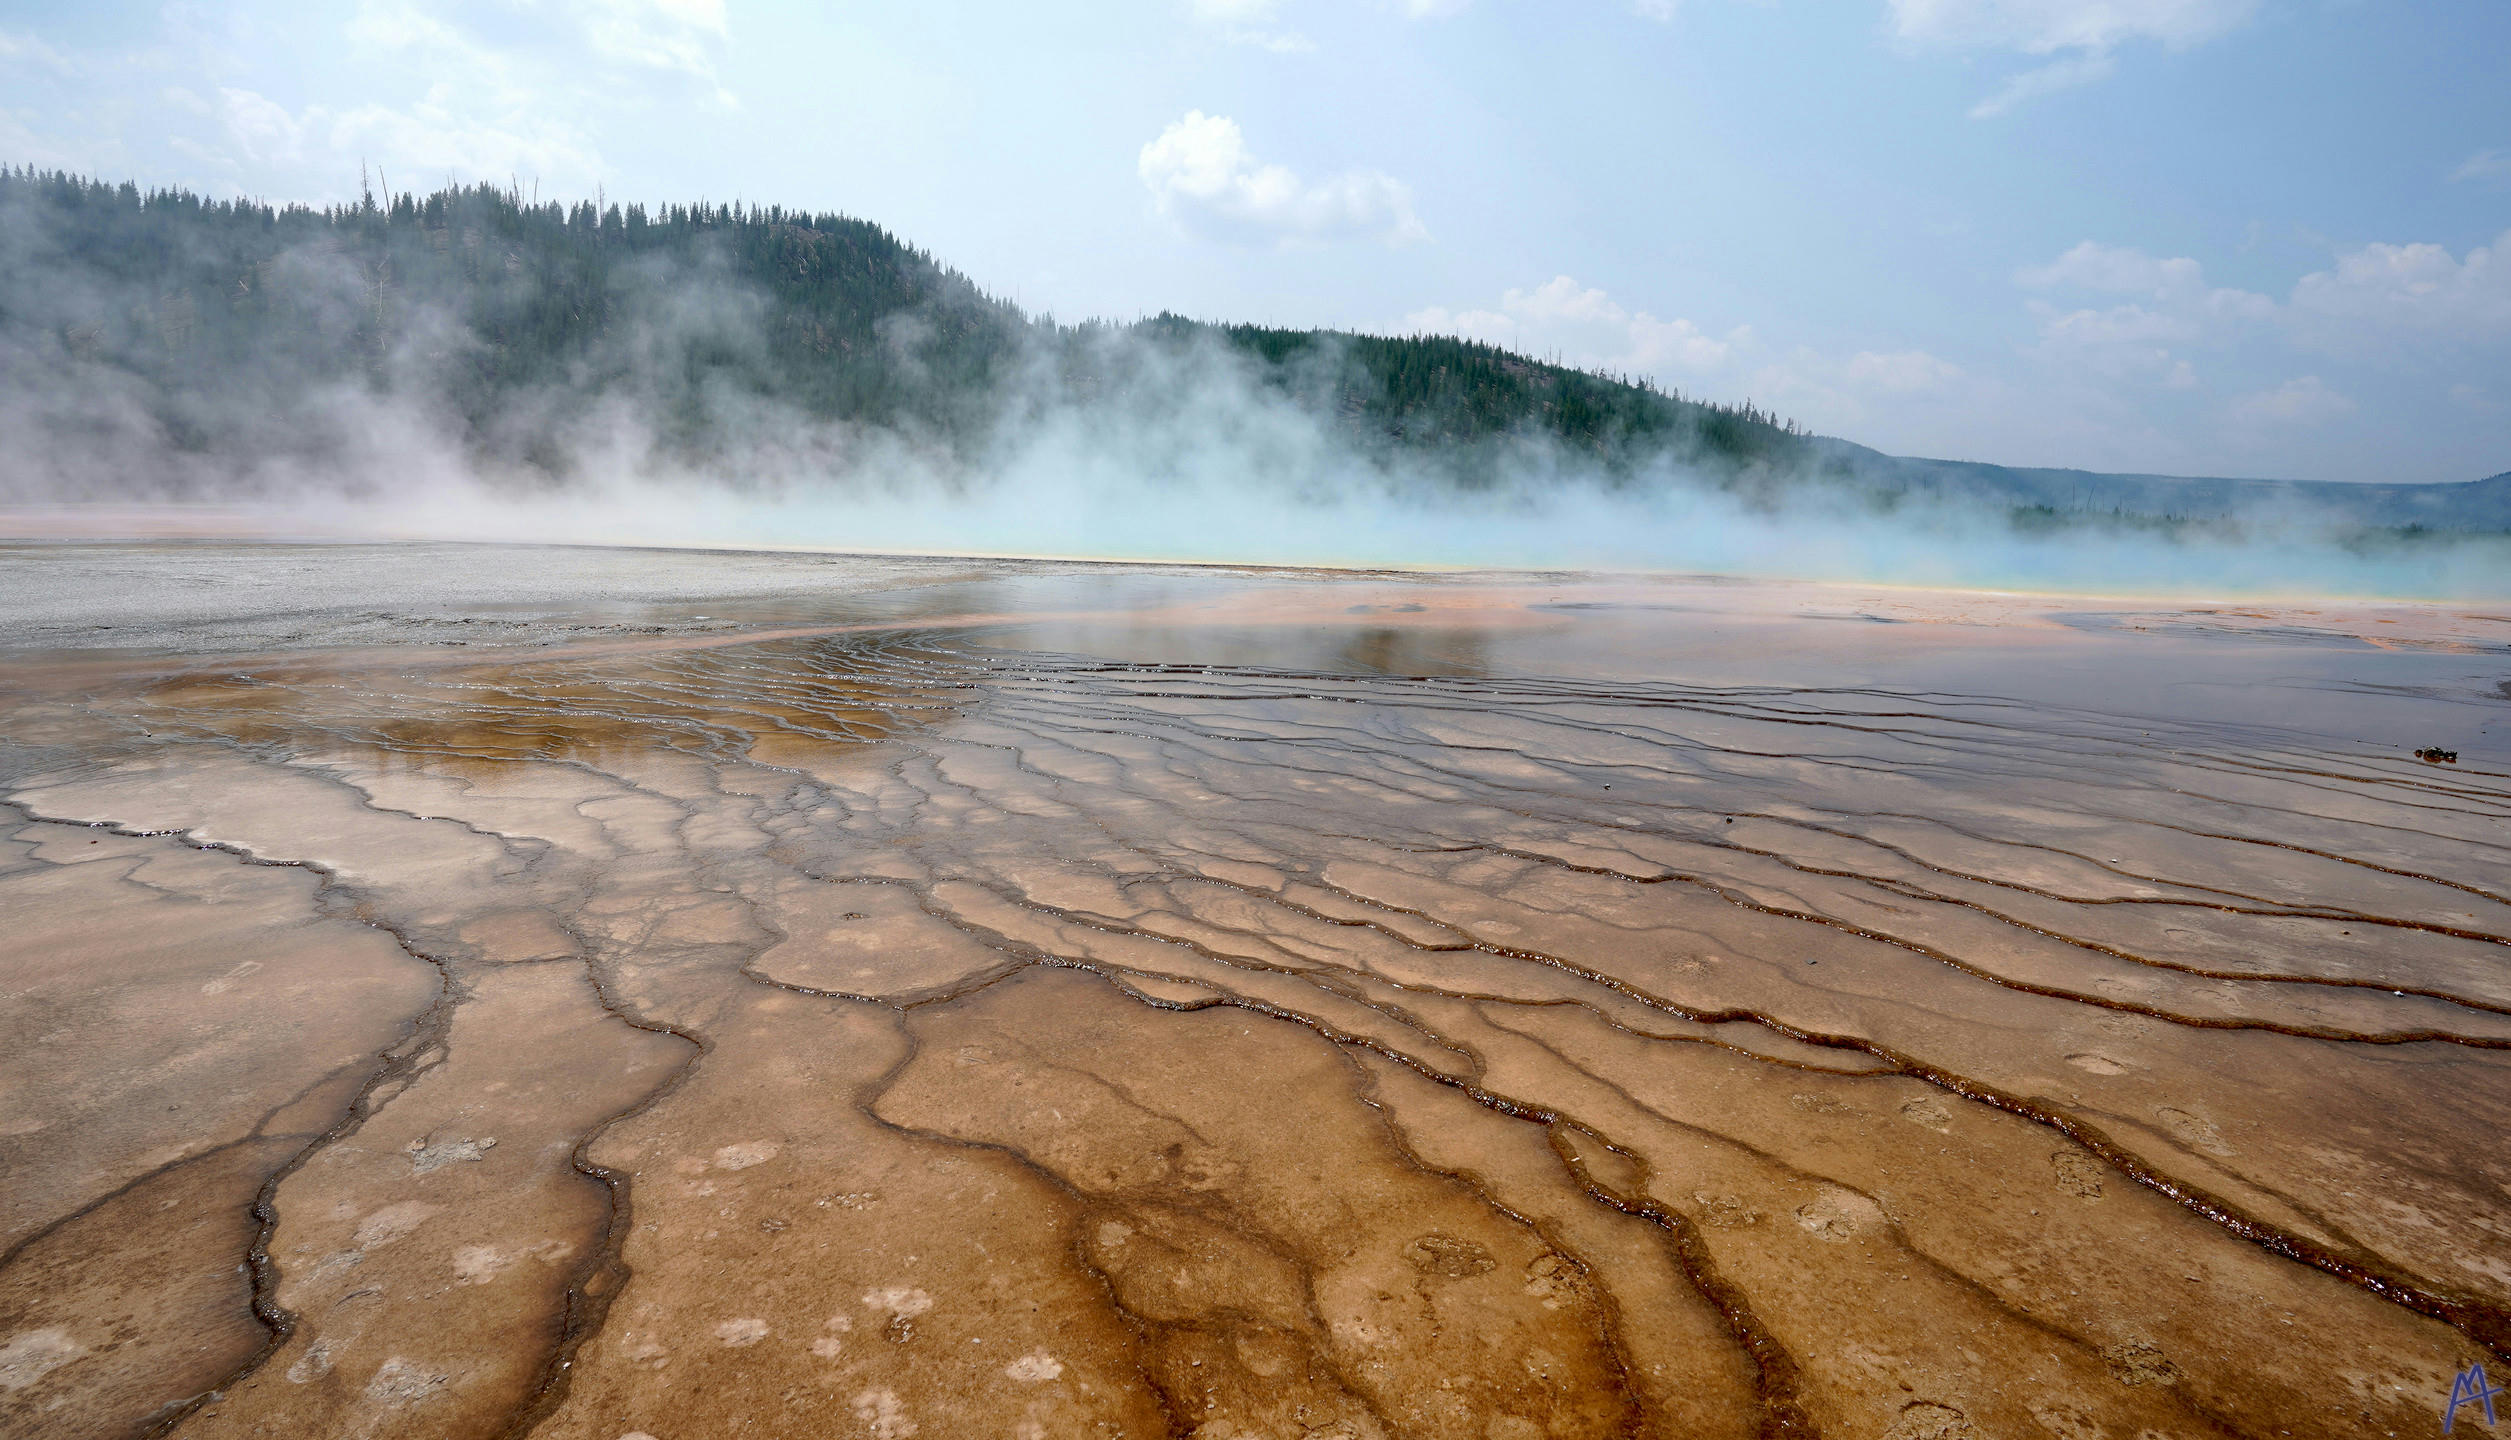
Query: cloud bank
[{"x": 1202, "y": 176}]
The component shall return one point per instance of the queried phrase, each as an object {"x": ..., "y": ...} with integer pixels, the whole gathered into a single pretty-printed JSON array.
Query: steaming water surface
[{"x": 478, "y": 991}]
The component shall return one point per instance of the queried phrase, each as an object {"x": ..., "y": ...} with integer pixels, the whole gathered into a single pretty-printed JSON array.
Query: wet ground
[{"x": 460, "y": 991}]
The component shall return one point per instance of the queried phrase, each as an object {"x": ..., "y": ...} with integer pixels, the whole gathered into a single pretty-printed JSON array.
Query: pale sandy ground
[{"x": 453, "y": 991}]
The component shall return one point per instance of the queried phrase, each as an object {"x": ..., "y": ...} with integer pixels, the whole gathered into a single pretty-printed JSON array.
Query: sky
[{"x": 2220, "y": 237}]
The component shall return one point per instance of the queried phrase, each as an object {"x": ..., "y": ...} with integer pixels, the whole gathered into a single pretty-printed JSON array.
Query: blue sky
[{"x": 2260, "y": 237}]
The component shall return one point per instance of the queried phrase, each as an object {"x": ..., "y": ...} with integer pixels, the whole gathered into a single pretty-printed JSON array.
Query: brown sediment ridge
[{"x": 1284, "y": 1008}]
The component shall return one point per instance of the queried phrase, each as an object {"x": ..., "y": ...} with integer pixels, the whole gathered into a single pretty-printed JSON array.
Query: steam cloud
[{"x": 1098, "y": 441}]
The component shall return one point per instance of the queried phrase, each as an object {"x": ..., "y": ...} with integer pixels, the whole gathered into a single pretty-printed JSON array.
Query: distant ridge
[{"x": 2447, "y": 505}]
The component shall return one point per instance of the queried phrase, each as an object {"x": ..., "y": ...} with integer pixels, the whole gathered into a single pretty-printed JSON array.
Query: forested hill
[
  {"x": 215, "y": 316},
  {"x": 154, "y": 342}
]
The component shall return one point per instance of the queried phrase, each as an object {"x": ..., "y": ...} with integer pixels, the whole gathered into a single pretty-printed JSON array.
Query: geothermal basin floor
[{"x": 462, "y": 991}]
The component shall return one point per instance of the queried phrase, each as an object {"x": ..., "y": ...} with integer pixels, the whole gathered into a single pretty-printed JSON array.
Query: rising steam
[{"x": 377, "y": 404}]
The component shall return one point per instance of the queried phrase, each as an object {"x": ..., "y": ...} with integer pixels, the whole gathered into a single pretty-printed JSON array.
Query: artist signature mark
[{"x": 2470, "y": 1391}]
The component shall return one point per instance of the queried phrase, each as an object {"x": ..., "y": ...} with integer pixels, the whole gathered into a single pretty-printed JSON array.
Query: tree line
[{"x": 483, "y": 298}]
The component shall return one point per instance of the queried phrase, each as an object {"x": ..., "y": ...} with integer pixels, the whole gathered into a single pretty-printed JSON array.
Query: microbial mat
[{"x": 481, "y": 992}]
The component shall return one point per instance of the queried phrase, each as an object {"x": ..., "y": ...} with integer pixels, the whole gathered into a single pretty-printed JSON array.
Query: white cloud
[
  {"x": 2118, "y": 269},
  {"x": 1280, "y": 42},
  {"x": 431, "y": 140},
  {"x": 487, "y": 114},
  {"x": 262, "y": 128},
  {"x": 1255, "y": 22},
  {"x": 2484, "y": 165},
  {"x": 658, "y": 34},
  {"x": 2045, "y": 27},
  {"x": 580, "y": 41},
  {"x": 1585, "y": 327},
  {"x": 401, "y": 24},
  {"x": 1250, "y": 23},
  {"x": 2119, "y": 325},
  {"x": 520, "y": 106},
  {"x": 2172, "y": 306},
  {"x": 1903, "y": 372},
  {"x": 2421, "y": 289},
  {"x": 2303, "y": 401},
  {"x": 2080, "y": 34},
  {"x": 2049, "y": 79},
  {"x": 1201, "y": 175},
  {"x": 2118, "y": 328},
  {"x": 24, "y": 146},
  {"x": 426, "y": 140},
  {"x": 697, "y": 14},
  {"x": 1866, "y": 389},
  {"x": 28, "y": 49},
  {"x": 2373, "y": 292}
]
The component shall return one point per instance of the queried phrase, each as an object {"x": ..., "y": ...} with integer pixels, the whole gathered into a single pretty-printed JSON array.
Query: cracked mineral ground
[{"x": 486, "y": 992}]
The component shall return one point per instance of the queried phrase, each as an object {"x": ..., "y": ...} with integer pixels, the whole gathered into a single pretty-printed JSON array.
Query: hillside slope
[{"x": 156, "y": 342}]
